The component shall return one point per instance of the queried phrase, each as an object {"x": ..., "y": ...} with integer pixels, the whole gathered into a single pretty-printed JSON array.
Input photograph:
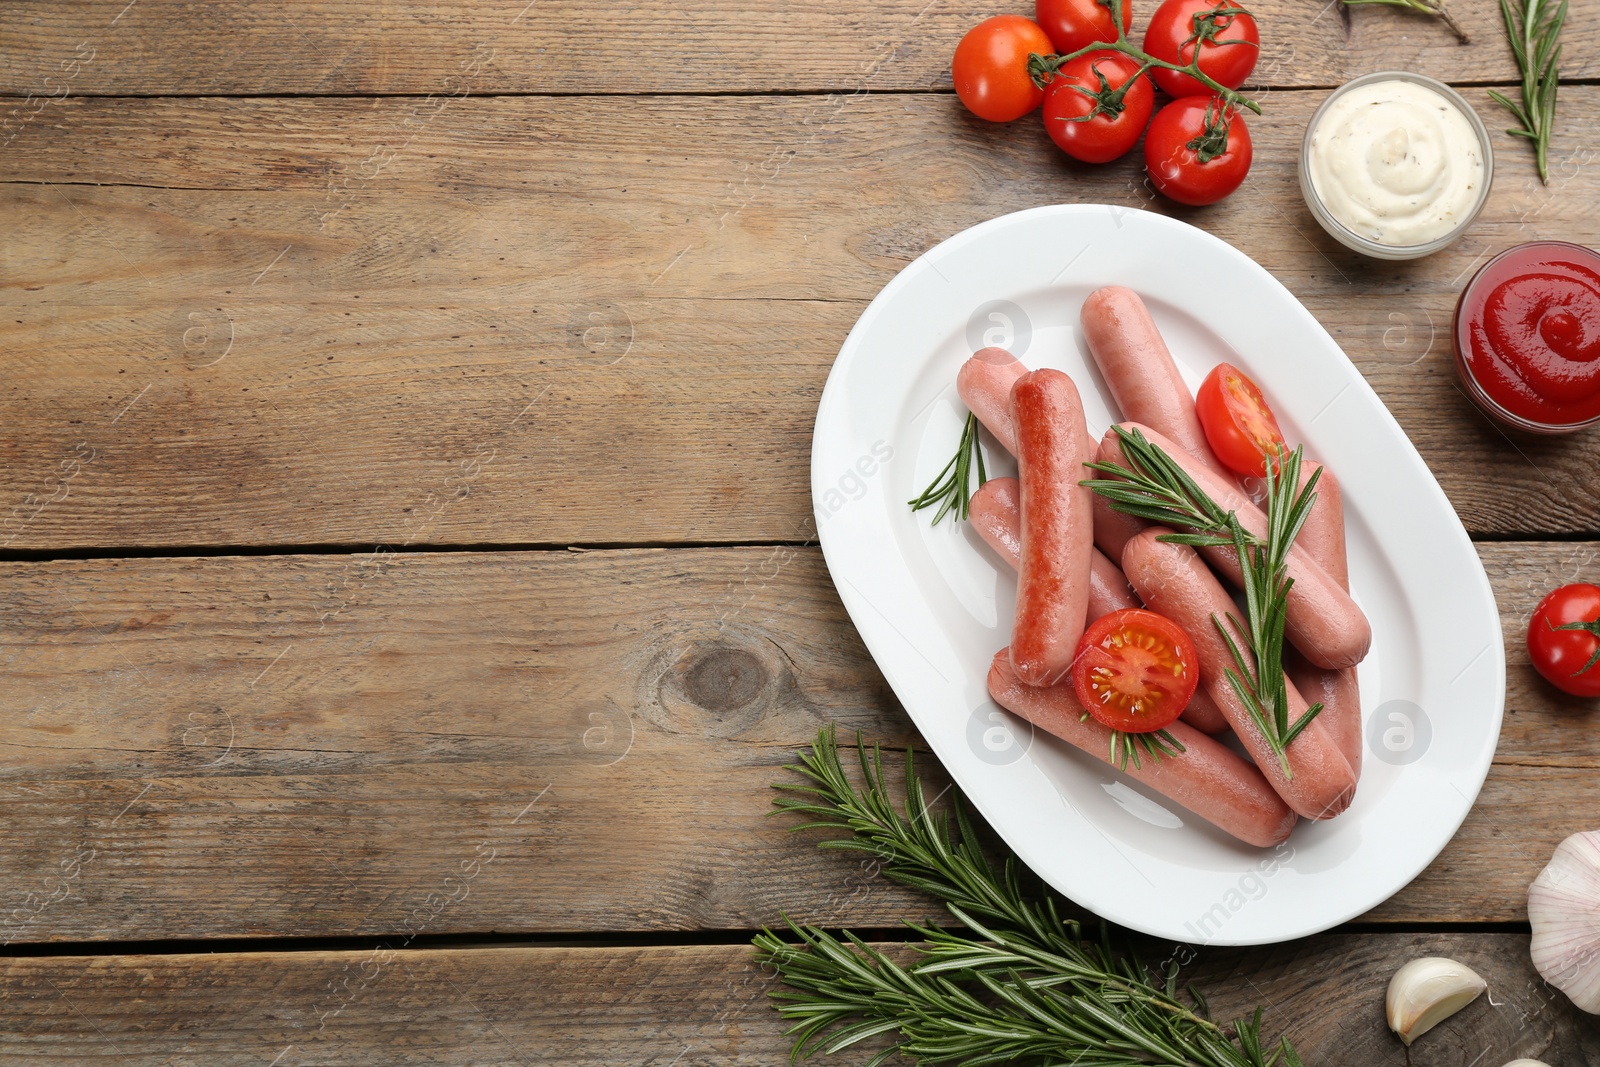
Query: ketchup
[{"x": 1527, "y": 336}]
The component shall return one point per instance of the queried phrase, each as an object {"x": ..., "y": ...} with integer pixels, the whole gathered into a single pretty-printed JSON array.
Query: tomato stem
[
  {"x": 1213, "y": 140},
  {"x": 1592, "y": 628},
  {"x": 1107, "y": 101},
  {"x": 1042, "y": 68}
]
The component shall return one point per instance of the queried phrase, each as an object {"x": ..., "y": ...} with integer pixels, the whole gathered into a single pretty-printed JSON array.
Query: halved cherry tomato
[
  {"x": 1097, "y": 105},
  {"x": 990, "y": 69},
  {"x": 1135, "y": 670},
  {"x": 1564, "y": 639},
  {"x": 1227, "y": 36},
  {"x": 1239, "y": 425},
  {"x": 1197, "y": 150},
  {"x": 1072, "y": 24}
]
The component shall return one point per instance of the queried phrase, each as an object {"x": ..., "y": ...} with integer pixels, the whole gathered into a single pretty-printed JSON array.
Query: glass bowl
[
  {"x": 1349, "y": 238},
  {"x": 1513, "y": 262}
]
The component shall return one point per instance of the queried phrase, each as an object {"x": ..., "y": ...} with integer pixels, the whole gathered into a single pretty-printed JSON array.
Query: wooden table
[{"x": 410, "y": 588}]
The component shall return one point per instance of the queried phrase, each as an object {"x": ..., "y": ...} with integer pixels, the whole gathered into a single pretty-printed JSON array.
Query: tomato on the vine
[
  {"x": 1135, "y": 670},
  {"x": 1226, "y": 35},
  {"x": 1239, "y": 426},
  {"x": 1072, "y": 24},
  {"x": 1097, "y": 105},
  {"x": 1197, "y": 150},
  {"x": 990, "y": 69},
  {"x": 1564, "y": 639}
]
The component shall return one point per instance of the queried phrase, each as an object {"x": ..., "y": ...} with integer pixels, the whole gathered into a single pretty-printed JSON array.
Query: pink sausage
[
  {"x": 1338, "y": 691},
  {"x": 1207, "y": 777},
  {"x": 1324, "y": 623},
  {"x": 1140, "y": 372},
  {"x": 995, "y": 512},
  {"x": 1057, "y": 526},
  {"x": 1323, "y": 534},
  {"x": 984, "y": 383},
  {"x": 1176, "y": 582}
]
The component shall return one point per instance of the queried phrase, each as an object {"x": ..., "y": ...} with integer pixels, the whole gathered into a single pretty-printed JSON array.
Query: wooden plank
[
  {"x": 560, "y": 46},
  {"x": 700, "y": 1004},
  {"x": 522, "y": 742},
  {"x": 532, "y": 309}
]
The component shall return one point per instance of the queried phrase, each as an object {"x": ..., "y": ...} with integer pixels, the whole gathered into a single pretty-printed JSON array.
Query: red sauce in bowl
[{"x": 1527, "y": 337}]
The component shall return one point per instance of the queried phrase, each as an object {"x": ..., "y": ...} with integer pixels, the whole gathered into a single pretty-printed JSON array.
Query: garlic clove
[
  {"x": 1427, "y": 991},
  {"x": 1564, "y": 909}
]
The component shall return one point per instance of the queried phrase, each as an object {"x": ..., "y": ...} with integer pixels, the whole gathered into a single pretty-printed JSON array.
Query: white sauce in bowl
[{"x": 1396, "y": 163}]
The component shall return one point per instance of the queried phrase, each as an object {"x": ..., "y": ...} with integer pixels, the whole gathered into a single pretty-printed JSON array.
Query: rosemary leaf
[
  {"x": 951, "y": 488},
  {"x": 1435, "y": 8},
  {"x": 1534, "y": 28},
  {"x": 1017, "y": 984}
]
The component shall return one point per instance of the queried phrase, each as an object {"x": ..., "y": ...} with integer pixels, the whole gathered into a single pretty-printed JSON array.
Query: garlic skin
[
  {"x": 1564, "y": 908},
  {"x": 1427, "y": 991}
]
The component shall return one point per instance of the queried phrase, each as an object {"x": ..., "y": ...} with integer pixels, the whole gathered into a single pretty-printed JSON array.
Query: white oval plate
[{"x": 933, "y": 604}]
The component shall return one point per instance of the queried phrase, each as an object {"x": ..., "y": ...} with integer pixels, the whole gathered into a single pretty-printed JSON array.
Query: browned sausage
[
  {"x": 1057, "y": 526},
  {"x": 995, "y": 512},
  {"x": 1175, "y": 581},
  {"x": 1140, "y": 372},
  {"x": 1207, "y": 777},
  {"x": 1324, "y": 623}
]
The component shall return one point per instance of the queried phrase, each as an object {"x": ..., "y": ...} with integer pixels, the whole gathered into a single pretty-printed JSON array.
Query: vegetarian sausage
[
  {"x": 1207, "y": 777},
  {"x": 995, "y": 512},
  {"x": 1057, "y": 526},
  {"x": 1324, "y": 623},
  {"x": 1175, "y": 581}
]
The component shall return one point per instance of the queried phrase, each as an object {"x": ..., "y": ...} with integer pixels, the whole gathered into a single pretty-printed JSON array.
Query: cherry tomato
[
  {"x": 1102, "y": 127},
  {"x": 1239, "y": 425},
  {"x": 1072, "y": 24},
  {"x": 991, "y": 67},
  {"x": 1135, "y": 670},
  {"x": 1228, "y": 39},
  {"x": 1564, "y": 639},
  {"x": 1197, "y": 151}
]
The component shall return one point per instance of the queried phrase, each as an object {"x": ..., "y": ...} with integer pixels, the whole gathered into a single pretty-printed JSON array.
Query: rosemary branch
[
  {"x": 1024, "y": 986},
  {"x": 950, "y": 488},
  {"x": 1534, "y": 27},
  {"x": 1154, "y": 487},
  {"x": 1435, "y": 8}
]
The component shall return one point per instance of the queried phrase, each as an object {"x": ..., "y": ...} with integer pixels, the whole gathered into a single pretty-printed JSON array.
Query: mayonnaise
[{"x": 1396, "y": 162}]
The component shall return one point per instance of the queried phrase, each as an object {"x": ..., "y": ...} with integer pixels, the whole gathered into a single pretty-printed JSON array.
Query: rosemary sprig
[
  {"x": 1126, "y": 746},
  {"x": 1154, "y": 487},
  {"x": 1534, "y": 27},
  {"x": 1436, "y": 8},
  {"x": 950, "y": 489},
  {"x": 1023, "y": 986}
]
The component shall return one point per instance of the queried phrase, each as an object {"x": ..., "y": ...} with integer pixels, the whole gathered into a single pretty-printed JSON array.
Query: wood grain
[
  {"x": 589, "y": 735},
  {"x": 311, "y": 321},
  {"x": 561, "y": 46},
  {"x": 701, "y": 1005}
]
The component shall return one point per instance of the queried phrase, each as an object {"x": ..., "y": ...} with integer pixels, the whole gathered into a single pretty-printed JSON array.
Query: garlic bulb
[
  {"x": 1527, "y": 1063},
  {"x": 1564, "y": 908},
  {"x": 1427, "y": 991}
]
